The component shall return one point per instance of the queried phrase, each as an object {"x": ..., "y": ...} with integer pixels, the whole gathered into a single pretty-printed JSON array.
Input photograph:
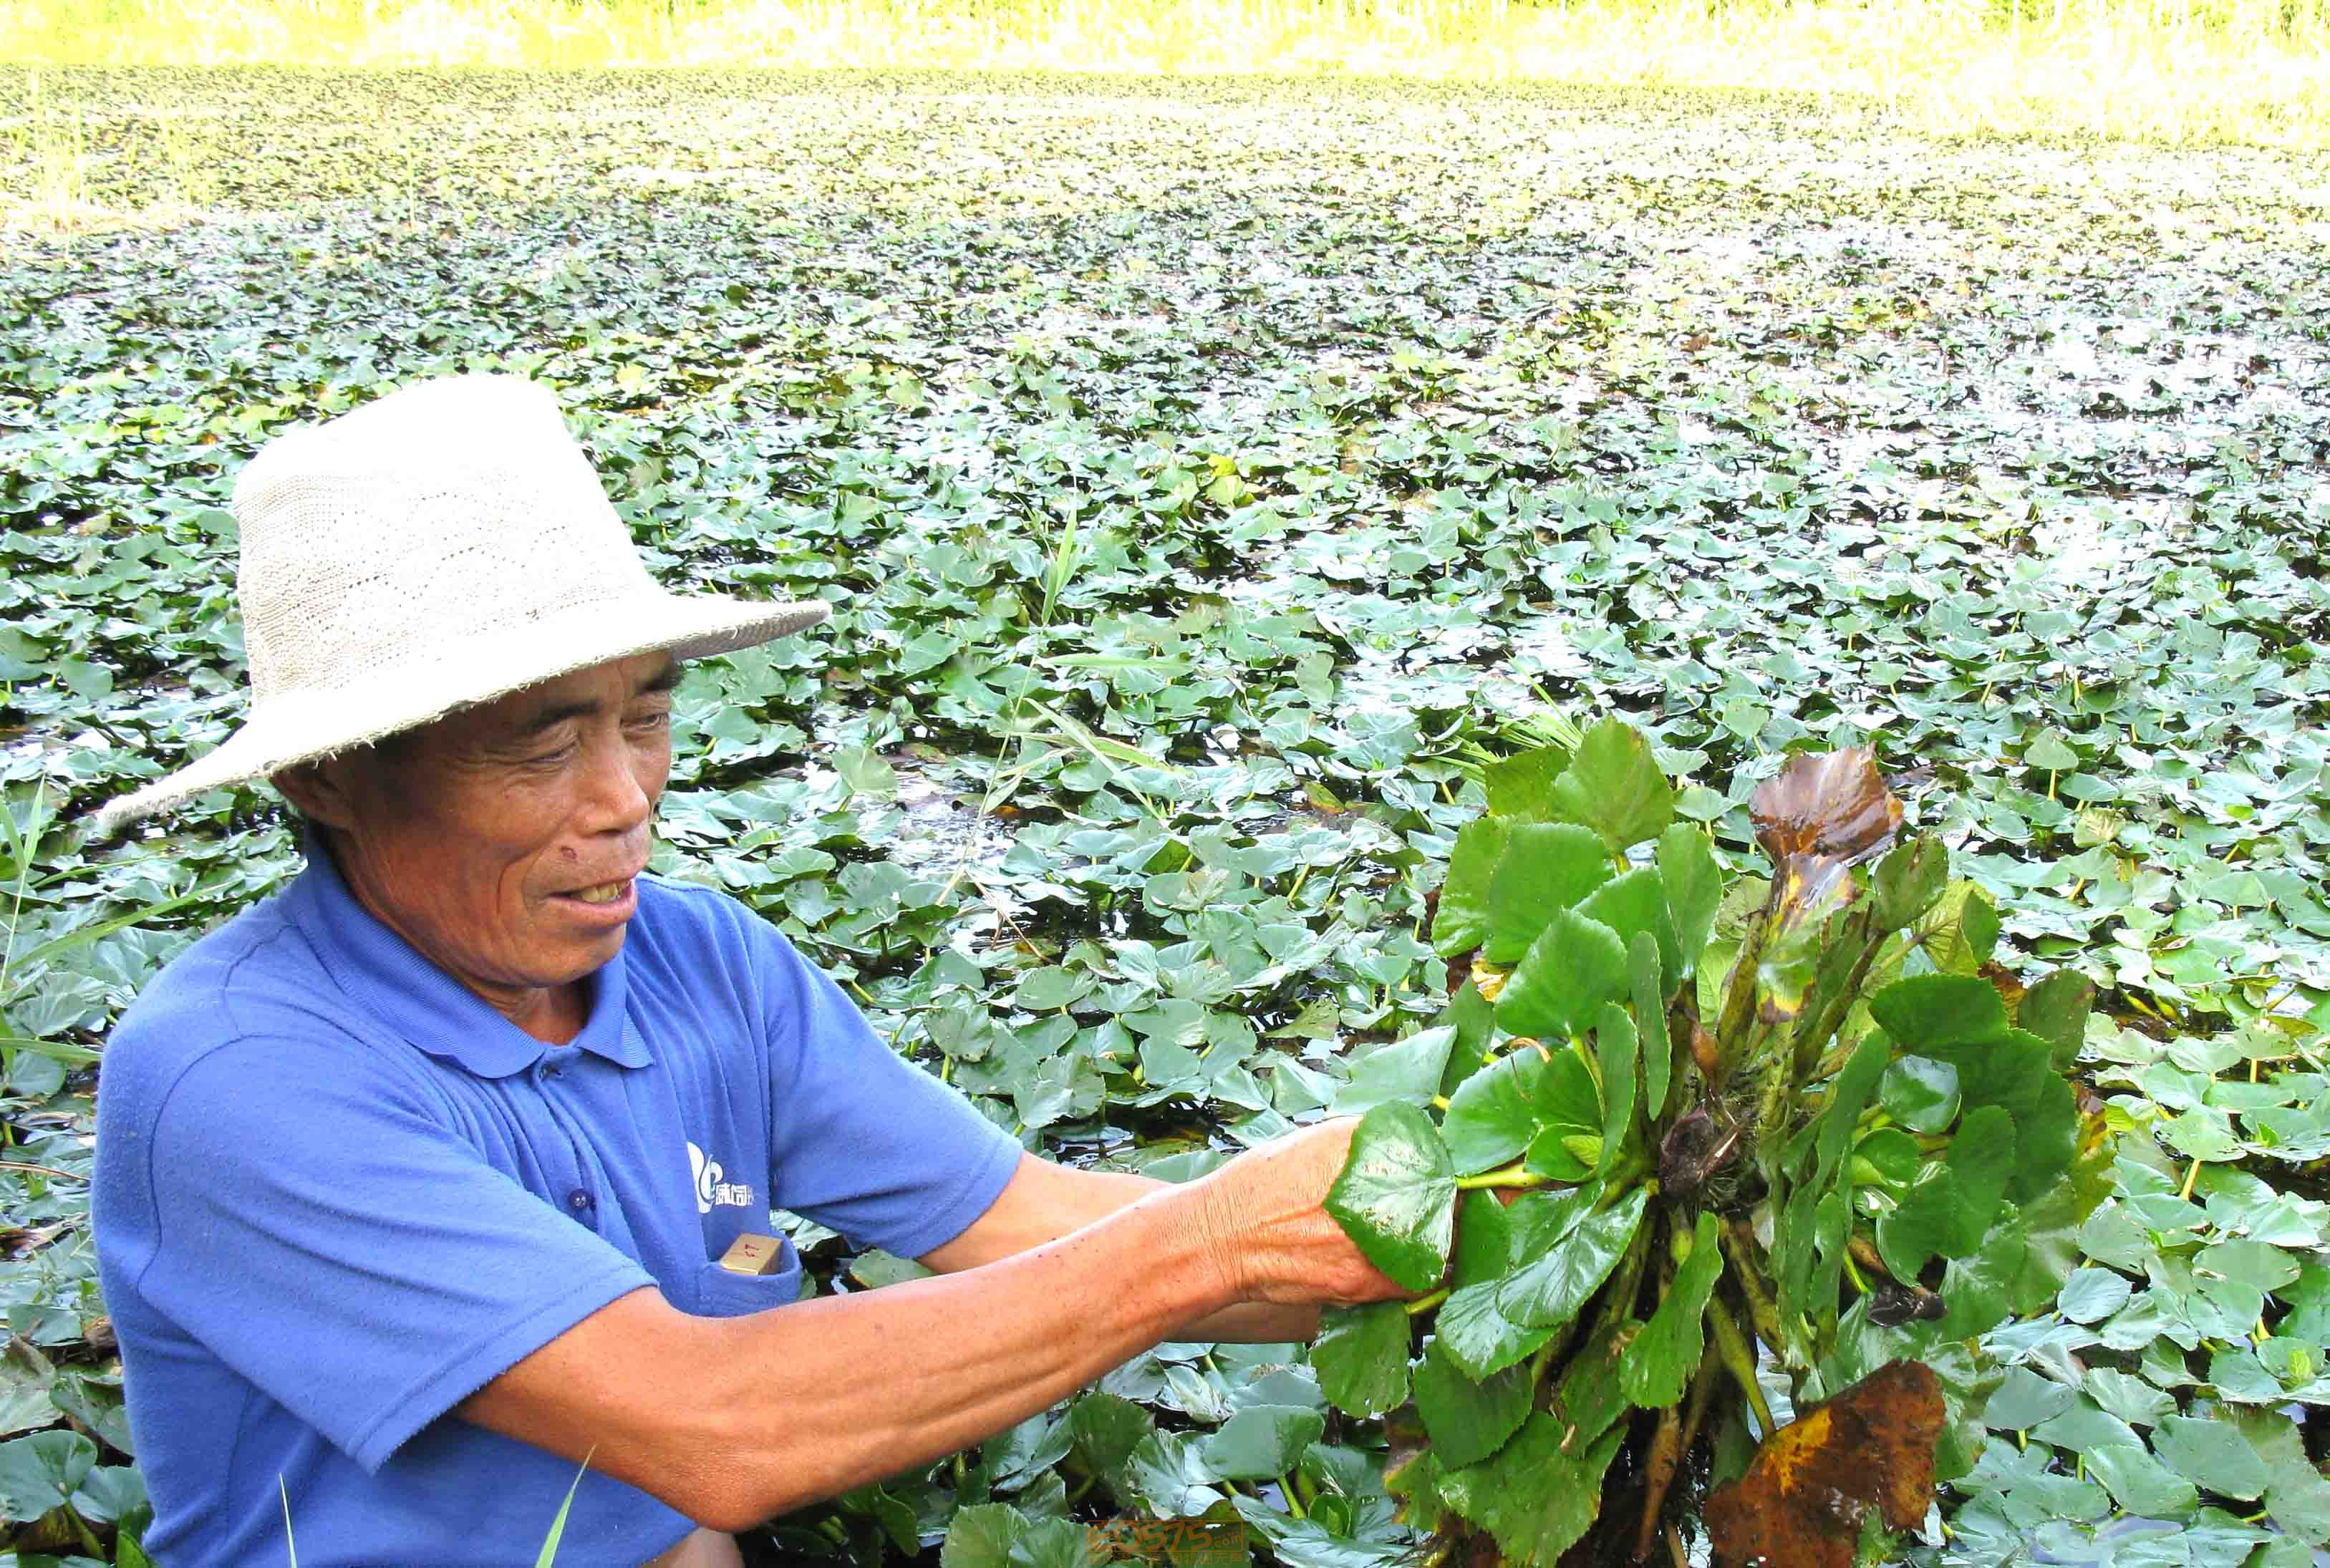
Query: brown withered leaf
[
  {"x": 1818, "y": 817},
  {"x": 1802, "y": 1499}
]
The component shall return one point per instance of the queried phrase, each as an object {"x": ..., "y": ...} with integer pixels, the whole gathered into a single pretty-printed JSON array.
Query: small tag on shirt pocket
[{"x": 720, "y": 1292}]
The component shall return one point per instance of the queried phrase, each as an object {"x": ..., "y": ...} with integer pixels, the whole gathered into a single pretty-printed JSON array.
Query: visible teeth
[{"x": 605, "y": 893}]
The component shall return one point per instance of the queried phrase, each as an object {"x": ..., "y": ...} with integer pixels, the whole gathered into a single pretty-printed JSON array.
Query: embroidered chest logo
[{"x": 712, "y": 1189}]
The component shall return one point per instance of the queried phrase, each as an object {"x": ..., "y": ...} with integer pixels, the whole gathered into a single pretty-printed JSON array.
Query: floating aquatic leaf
[{"x": 1362, "y": 1356}]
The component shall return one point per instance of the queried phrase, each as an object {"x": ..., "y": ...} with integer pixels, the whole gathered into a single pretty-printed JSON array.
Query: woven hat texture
[{"x": 440, "y": 547}]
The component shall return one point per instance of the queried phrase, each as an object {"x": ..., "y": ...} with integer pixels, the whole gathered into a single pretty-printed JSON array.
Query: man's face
[{"x": 502, "y": 841}]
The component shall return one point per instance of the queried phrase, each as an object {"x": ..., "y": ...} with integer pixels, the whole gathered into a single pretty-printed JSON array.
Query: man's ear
[{"x": 318, "y": 790}]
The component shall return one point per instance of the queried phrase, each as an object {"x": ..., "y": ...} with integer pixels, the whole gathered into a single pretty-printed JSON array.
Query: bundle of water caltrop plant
[{"x": 1693, "y": 1133}]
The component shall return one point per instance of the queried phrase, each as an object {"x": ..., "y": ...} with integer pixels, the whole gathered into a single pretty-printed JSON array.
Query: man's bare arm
[
  {"x": 1045, "y": 1201},
  {"x": 734, "y": 1419}
]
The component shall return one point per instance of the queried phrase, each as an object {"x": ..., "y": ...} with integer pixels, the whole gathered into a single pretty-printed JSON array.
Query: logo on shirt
[{"x": 711, "y": 1191}]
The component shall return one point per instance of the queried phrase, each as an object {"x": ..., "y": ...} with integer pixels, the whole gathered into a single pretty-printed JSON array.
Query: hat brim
[{"x": 463, "y": 674}]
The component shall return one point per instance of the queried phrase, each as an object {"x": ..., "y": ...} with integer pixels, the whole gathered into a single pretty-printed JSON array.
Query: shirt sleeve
[
  {"x": 334, "y": 1243},
  {"x": 861, "y": 1139}
]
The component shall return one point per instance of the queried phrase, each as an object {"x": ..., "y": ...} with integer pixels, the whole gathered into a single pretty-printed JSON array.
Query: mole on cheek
[{"x": 566, "y": 852}]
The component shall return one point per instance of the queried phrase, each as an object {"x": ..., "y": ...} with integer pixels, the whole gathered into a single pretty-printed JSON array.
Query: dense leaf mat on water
[{"x": 1213, "y": 475}]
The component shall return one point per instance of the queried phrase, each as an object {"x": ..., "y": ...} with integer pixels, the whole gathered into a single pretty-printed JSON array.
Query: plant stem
[
  {"x": 1544, "y": 1358},
  {"x": 1766, "y": 1317},
  {"x": 1423, "y": 1304},
  {"x": 1515, "y": 1174},
  {"x": 80, "y": 1528},
  {"x": 1659, "y": 1462},
  {"x": 1739, "y": 1361},
  {"x": 1702, "y": 1389},
  {"x": 1294, "y": 1503}
]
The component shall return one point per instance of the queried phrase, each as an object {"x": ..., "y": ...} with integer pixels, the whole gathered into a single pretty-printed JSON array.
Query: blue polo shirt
[{"x": 337, "y": 1194}]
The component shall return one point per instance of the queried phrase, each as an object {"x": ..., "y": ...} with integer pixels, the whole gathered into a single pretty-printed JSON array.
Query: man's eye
[{"x": 552, "y": 758}]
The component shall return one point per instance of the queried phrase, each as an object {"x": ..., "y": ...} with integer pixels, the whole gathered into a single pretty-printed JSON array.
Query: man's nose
[{"x": 618, "y": 801}]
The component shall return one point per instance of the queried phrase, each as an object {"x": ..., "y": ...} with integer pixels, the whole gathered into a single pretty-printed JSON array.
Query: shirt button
[
  {"x": 578, "y": 1200},
  {"x": 553, "y": 1073}
]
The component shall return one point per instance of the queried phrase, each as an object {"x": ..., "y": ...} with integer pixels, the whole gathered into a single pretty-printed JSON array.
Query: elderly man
[{"x": 448, "y": 1169}]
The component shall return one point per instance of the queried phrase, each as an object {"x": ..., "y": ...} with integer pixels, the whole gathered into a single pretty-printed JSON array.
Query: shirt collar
[{"x": 388, "y": 976}]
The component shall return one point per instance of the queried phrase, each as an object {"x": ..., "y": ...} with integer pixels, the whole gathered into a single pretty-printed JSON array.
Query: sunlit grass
[{"x": 2165, "y": 70}]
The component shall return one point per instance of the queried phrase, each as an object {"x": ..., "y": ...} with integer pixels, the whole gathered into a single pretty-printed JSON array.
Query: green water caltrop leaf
[
  {"x": 1888, "y": 1157},
  {"x": 1960, "y": 932},
  {"x": 1649, "y": 993},
  {"x": 1407, "y": 1070},
  {"x": 1473, "y": 1331},
  {"x": 1361, "y": 1354},
  {"x": 1495, "y": 1114},
  {"x": 1460, "y": 921},
  {"x": 1657, "y": 1363},
  {"x": 1484, "y": 1241},
  {"x": 1564, "y": 1155},
  {"x": 2016, "y": 1071},
  {"x": 1616, "y": 787},
  {"x": 1619, "y": 1053},
  {"x": 1545, "y": 867},
  {"x": 2140, "y": 1483},
  {"x": 2056, "y": 1009},
  {"x": 1693, "y": 881},
  {"x": 2048, "y": 752},
  {"x": 1549, "y": 1286},
  {"x": 1475, "y": 1334},
  {"x": 1932, "y": 1010},
  {"x": 981, "y": 1535},
  {"x": 2297, "y": 1495},
  {"x": 1262, "y": 1441},
  {"x": 1105, "y": 1429},
  {"x": 1521, "y": 788},
  {"x": 1848, "y": 1096},
  {"x": 2212, "y": 1455},
  {"x": 1559, "y": 987},
  {"x": 1466, "y": 1420},
  {"x": 1634, "y": 903},
  {"x": 1921, "y": 1093},
  {"x": 1950, "y": 1212},
  {"x": 41, "y": 1472},
  {"x": 1908, "y": 881},
  {"x": 1533, "y": 1498},
  {"x": 1590, "y": 1396},
  {"x": 1395, "y": 1197}
]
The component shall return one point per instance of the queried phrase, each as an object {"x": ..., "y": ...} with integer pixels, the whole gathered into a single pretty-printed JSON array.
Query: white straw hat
[{"x": 439, "y": 548}]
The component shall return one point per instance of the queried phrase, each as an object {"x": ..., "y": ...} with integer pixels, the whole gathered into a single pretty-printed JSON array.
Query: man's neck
[{"x": 553, "y": 1015}]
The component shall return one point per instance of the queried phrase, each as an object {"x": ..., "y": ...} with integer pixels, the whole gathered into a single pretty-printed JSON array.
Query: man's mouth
[{"x": 605, "y": 893}]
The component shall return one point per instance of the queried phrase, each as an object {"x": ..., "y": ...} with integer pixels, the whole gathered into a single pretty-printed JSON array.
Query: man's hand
[
  {"x": 1259, "y": 1225},
  {"x": 1271, "y": 1237}
]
